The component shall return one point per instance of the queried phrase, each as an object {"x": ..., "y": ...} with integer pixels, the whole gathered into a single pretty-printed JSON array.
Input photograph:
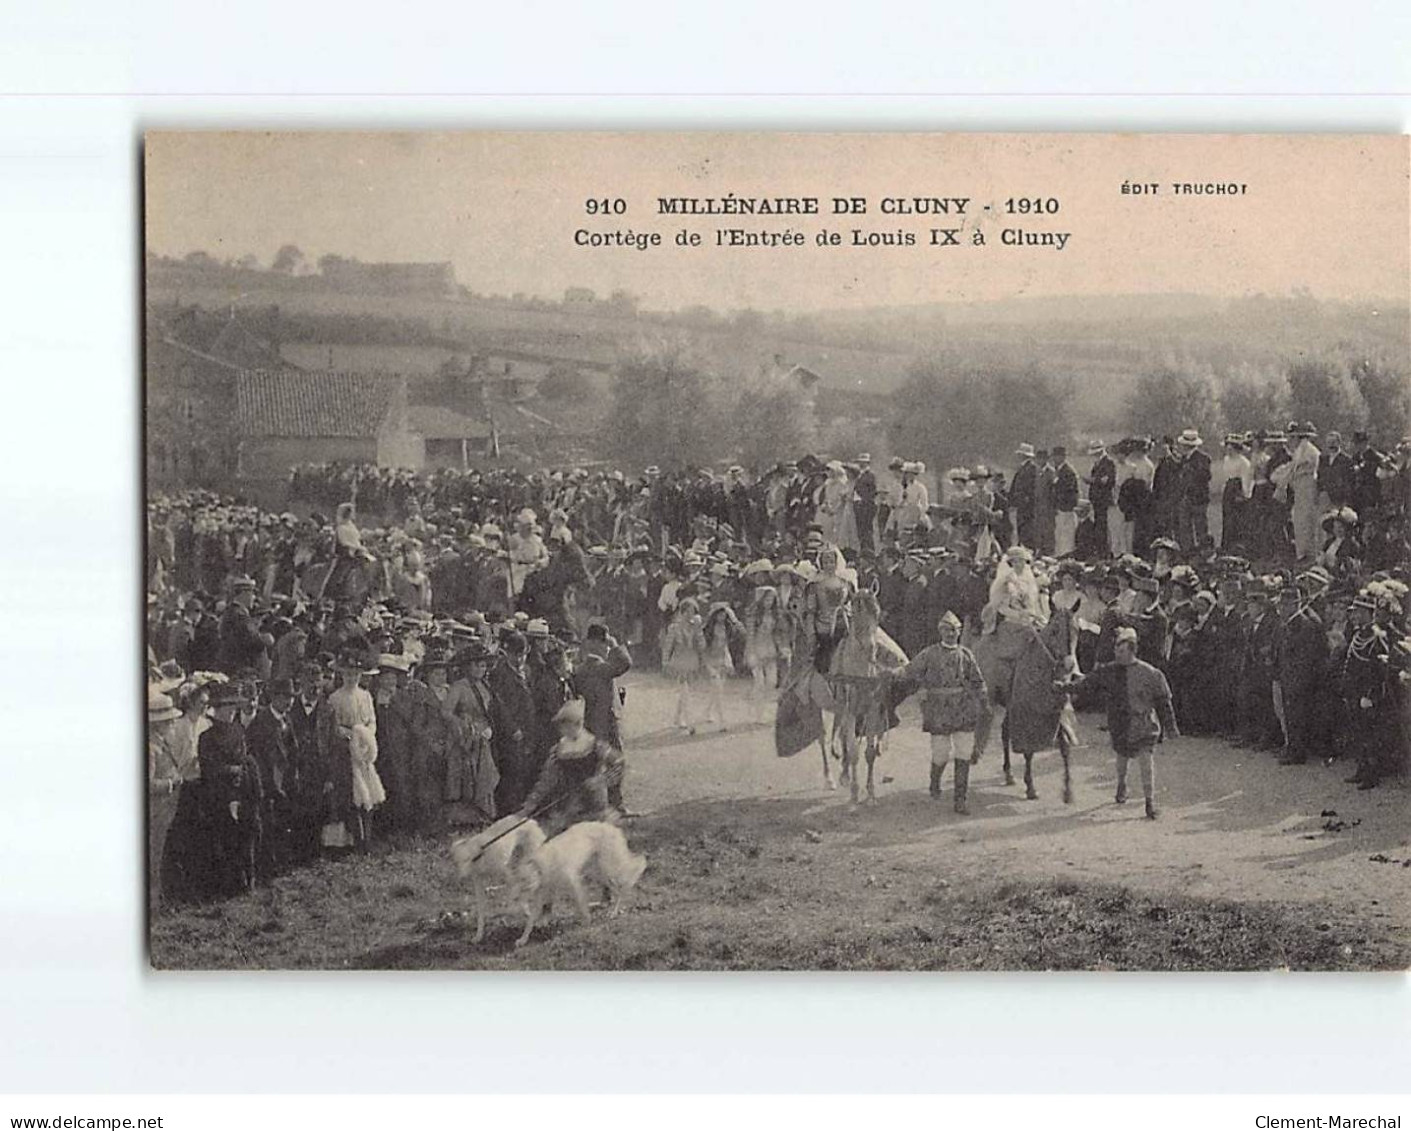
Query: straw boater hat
[
  {"x": 1026, "y": 450},
  {"x": 1316, "y": 579},
  {"x": 863, "y": 458},
  {"x": 1096, "y": 447},
  {"x": 1190, "y": 438},
  {"x": 388, "y": 662},
  {"x": 537, "y": 629}
]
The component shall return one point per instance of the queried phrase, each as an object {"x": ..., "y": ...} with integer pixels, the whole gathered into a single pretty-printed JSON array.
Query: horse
[
  {"x": 1020, "y": 665},
  {"x": 854, "y": 675},
  {"x": 364, "y": 578}
]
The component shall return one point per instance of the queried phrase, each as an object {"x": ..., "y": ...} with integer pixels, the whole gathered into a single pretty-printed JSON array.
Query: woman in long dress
[{"x": 351, "y": 784}]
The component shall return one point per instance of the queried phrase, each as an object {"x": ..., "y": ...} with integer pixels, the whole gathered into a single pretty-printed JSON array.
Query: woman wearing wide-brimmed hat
[{"x": 348, "y": 724}]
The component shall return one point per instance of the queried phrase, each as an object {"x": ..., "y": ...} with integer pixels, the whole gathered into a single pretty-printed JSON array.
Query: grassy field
[{"x": 748, "y": 895}]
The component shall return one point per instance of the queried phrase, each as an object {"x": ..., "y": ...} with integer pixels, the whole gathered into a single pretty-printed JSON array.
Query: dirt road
[{"x": 753, "y": 864}]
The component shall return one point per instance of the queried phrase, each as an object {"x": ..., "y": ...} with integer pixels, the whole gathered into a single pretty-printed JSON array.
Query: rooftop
[{"x": 313, "y": 404}]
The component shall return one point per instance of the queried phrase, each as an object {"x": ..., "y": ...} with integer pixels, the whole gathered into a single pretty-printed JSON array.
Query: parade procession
[{"x": 327, "y": 682}]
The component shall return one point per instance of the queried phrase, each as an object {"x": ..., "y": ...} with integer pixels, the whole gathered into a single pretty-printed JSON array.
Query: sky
[{"x": 1329, "y": 213}]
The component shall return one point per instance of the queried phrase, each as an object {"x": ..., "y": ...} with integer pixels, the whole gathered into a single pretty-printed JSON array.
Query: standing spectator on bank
[{"x": 1065, "y": 504}]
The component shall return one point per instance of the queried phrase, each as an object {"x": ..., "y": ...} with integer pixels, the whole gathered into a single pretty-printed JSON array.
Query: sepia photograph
[{"x": 777, "y": 551}]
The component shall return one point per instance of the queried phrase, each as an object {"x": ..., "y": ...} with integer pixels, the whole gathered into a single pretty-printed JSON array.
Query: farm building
[
  {"x": 450, "y": 438},
  {"x": 192, "y": 363},
  {"x": 286, "y": 418}
]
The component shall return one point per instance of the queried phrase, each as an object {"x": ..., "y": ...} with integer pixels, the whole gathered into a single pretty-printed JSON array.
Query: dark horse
[
  {"x": 358, "y": 580},
  {"x": 1020, "y": 665}
]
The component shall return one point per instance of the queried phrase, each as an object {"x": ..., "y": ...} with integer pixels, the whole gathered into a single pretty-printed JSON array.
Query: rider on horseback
[
  {"x": 347, "y": 549},
  {"x": 1015, "y": 597}
]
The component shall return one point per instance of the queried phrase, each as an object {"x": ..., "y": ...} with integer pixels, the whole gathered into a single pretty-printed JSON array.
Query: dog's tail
[{"x": 620, "y": 862}]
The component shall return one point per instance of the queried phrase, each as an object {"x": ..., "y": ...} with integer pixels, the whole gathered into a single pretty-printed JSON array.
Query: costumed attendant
[
  {"x": 683, "y": 656},
  {"x": 954, "y": 702},
  {"x": 766, "y": 641},
  {"x": 581, "y": 773},
  {"x": 721, "y": 624},
  {"x": 1139, "y": 713}
]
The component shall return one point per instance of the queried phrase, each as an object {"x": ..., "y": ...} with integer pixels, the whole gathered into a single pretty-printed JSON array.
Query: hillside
[{"x": 1095, "y": 344}]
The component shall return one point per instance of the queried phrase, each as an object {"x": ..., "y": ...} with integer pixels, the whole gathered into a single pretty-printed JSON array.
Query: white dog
[
  {"x": 498, "y": 855},
  {"x": 590, "y": 850}
]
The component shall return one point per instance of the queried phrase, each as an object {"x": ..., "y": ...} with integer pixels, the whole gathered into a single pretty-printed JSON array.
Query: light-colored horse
[{"x": 1020, "y": 665}]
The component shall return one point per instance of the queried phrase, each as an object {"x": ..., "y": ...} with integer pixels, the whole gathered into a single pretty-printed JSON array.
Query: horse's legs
[
  {"x": 1067, "y": 774},
  {"x": 1004, "y": 741},
  {"x": 823, "y": 750},
  {"x": 845, "y": 722},
  {"x": 872, "y": 753},
  {"x": 1030, "y": 792}
]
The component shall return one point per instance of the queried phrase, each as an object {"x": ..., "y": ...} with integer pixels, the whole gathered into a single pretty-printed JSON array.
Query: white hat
[
  {"x": 1026, "y": 450},
  {"x": 160, "y": 708},
  {"x": 1190, "y": 438},
  {"x": 538, "y": 628}
]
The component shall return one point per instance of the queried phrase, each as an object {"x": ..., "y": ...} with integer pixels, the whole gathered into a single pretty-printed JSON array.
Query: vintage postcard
[{"x": 748, "y": 551}]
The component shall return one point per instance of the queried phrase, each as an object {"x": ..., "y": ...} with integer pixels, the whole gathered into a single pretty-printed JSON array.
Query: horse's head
[{"x": 1060, "y": 636}]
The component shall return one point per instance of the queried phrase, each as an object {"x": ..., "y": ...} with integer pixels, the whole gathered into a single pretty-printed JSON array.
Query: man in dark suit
[
  {"x": 231, "y": 796},
  {"x": 1335, "y": 473},
  {"x": 1165, "y": 489},
  {"x": 1102, "y": 490},
  {"x": 601, "y": 663},
  {"x": 1193, "y": 498},
  {"x": 274, "y": 745},
  {"x": 1366, "y": 487},
  {"x": 1302, "y": 666},
  {"x": 512, "y": 723},
  {"x": 1023, "y": 489},
  {"x": 864, "y": 503}
]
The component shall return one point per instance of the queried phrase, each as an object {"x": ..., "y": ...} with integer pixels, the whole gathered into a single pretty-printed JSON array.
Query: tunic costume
[{"x": 954, "y": 698}]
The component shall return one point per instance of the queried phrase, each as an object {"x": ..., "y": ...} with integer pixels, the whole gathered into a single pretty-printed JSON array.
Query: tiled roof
[{"x": 312, "y": 404}]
